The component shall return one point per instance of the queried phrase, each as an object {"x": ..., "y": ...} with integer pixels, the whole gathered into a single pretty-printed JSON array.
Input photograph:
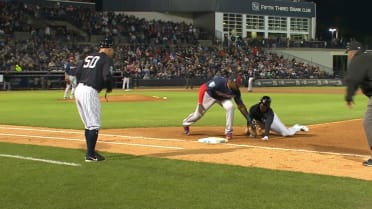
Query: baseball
[{"x": 165, "y": 98}]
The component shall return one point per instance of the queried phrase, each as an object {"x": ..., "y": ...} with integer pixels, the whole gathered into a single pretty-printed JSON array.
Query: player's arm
[
  {"x": 354, "y": 77},
  {"x": 202, "y": 90},
  {"x": 241, "y": 106},
  {"x": 107, "y": 75},
  {"x": 78, "y": 71},
  {"x": 268, "y": 121}
]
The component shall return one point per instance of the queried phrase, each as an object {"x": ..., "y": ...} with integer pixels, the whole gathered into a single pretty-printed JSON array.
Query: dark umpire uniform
[
  {"x": 359, "y": 75},
  {"x": 93, "y": 75}
]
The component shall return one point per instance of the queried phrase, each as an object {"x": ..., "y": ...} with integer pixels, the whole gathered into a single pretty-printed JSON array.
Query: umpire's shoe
[
  {"x": 368, "y": 163},
  {"x": 97, "y": 157}
]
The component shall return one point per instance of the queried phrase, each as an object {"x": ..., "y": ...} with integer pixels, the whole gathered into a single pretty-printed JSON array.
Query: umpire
[
  {"x": 359, "y": 75},
  {"x": 93, "y": 75}
]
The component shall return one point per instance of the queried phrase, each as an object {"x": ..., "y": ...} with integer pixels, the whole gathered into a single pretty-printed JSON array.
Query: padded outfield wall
[{"x": 55, "y": 80}]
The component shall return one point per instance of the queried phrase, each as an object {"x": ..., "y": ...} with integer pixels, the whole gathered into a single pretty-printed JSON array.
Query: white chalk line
[
  {"x": 298, "y": 150},
  {"x": 40, "y": 160},
  {"x": 80, "y": 140},
  {"x": 335, "y": 122},
  {"x": 101, "y": 134}
]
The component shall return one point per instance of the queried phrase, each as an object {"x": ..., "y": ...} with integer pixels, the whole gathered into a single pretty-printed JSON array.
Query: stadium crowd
[{"x": 149, "y": 49}]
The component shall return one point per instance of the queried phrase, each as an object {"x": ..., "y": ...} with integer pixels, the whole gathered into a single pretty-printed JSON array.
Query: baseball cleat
[
  {"x": 368, "y": 163},
  {"x": 228, "y": 136},
  {"x": 186, "y": 130},
  {"x": 304, "y": 128},
  {"x": 97, "y": 157}
]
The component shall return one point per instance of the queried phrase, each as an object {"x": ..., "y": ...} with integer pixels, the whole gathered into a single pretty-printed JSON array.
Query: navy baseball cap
[
  {"x": 353, "y": 46},
  {"x": 106, "y": 43}
]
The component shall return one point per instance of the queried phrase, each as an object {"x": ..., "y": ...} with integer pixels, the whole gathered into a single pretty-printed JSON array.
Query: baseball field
[{"x": 151, "y": 164}]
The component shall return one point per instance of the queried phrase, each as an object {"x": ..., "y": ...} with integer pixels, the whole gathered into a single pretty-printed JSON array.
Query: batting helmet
[
  {"x": 266, "y": 100},
  {"x": 106, "y": 43}
]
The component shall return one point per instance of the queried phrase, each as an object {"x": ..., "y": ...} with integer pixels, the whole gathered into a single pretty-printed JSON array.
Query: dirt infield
[
  {"x": 336, "y": 149},
  {"x": 319, "y": 151}
]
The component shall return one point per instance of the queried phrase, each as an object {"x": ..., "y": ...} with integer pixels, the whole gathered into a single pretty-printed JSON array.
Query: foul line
[
  {"x": 101, "y": 134},
  {"x": 40, "y": 160},
  {"x": 298, "y": 150},
  {"x": 80, "y": 140}
]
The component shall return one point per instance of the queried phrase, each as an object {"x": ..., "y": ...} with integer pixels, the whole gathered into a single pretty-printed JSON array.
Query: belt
[{"x": 84, "y": 84}]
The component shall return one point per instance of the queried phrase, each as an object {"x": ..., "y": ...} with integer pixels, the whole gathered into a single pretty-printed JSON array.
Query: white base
[{"x": 213, "y": 140}]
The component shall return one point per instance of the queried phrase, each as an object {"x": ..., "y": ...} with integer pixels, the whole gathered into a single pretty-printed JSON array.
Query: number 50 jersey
[{"x": 96, "y": 71}]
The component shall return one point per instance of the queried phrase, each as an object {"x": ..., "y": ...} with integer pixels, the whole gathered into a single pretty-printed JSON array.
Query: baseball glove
[
  {"x": 260, "y": 129},
  {"x": 251, "y": 131}
]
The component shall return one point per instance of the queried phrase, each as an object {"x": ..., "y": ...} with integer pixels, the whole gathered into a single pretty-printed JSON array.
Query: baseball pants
[
  {"x": 207, "y": 103},
  {"x": 89, "y": 106}
]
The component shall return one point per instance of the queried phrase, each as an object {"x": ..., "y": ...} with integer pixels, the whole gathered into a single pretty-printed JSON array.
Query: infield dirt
[{"x": 336, "y": 149}]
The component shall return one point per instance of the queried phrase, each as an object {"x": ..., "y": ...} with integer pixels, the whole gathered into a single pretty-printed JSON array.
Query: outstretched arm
[{"x": 251, "y": 127}]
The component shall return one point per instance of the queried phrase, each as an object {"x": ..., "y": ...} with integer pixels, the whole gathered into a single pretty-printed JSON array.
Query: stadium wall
[{"x": 55, "y": 80}]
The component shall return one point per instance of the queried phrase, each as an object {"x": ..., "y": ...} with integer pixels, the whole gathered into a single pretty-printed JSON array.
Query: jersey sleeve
[
  {"x": 354, "y": 76},
  {"x": 269, "y": 115},
  {"x": 107, "y": 71},
  {"x": 202, "y": 90}
]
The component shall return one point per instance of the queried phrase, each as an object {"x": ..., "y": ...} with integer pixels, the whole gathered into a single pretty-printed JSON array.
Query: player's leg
[
  {"x": 278, "y": 127},
  {"x": 68, "y": 85},
  {"x": 73, "y": 82},
  {"x": 228, "y": 105},
  {"x": 250, "y": 84},
  {"x": 89, "y": 108},
  {"x": 128, "y": 83},
  {"x": 367, "y": 124},
  {"x": 208, "y": 101}
]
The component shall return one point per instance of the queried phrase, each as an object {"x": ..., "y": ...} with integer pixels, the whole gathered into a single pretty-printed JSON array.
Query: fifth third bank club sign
[{"x": 293, "y": 9}]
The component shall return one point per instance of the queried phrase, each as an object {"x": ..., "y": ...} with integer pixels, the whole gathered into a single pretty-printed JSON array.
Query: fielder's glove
[{"x": 251, "y": 131}]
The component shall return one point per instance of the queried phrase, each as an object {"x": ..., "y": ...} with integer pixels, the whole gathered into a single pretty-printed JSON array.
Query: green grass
[
  {"x": 44, "y": 108},
  {"x": 125, "y": 181}
]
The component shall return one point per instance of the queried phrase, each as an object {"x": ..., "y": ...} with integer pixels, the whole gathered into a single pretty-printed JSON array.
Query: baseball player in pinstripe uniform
[{"x": 93, "y": 75}]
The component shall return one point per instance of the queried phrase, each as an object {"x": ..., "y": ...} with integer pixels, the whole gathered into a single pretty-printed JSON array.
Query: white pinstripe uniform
[
  {"x": 89, "y": 106},
  {"x": 94, "y": 74}
]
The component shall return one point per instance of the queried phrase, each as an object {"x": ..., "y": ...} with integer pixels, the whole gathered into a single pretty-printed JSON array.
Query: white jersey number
[{"x": 91, "y": 61}]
